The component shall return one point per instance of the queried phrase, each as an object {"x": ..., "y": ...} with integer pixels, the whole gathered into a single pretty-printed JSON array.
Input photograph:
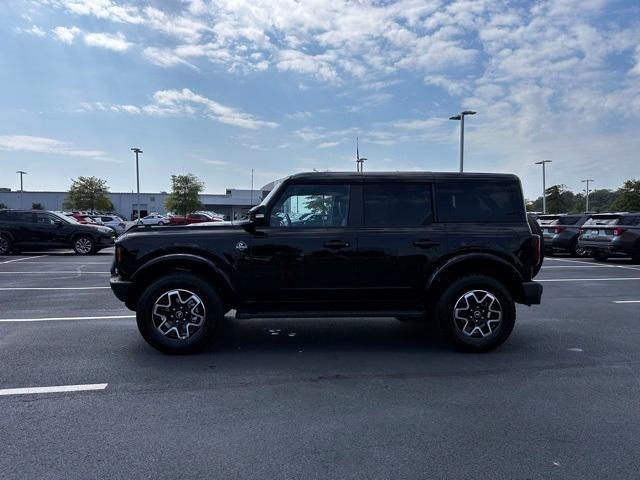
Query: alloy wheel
[
  {"x": 477, "y": 314},
  {"x": 178, "y": 314},
  {"x": 83, "y": 245},
  {"x": 4, "y": 245}
]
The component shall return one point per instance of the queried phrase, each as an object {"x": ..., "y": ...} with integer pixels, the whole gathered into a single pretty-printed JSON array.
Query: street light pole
[
  {"x": 544, "y": 184},
  {"x": 587, "y": 181},
  {"x": 21, "y": 187},
  {"x": 137, "y": 151},
  {"x": 251, "y": 188},
  {"x": 460, "y": 117}
]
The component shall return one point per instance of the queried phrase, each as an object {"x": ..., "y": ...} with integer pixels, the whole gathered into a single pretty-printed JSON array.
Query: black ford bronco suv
[{"x": 455, "y": 248}]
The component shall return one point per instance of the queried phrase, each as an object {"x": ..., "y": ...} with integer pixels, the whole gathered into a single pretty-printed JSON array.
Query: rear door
[{"x": 398, "y": 243}]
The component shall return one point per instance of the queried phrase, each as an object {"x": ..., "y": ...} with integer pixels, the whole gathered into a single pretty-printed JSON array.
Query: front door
[
  {"x": 49, "y": 230},
  {"x": 305, "y": 258},
  {"x": 398, "y": 244}
]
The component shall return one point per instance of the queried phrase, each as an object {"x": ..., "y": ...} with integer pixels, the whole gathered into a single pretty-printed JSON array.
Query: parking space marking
[
  {"x": 577, "y": 266},
  {"x": 625, "y": 267},
  {"x": 58, "y": 272},
  {"x": 7, "y": 289},
  {"x": 54, "y": 389},
  {"x": 49, "y": 319},
  {"x": 66, "y": 263},
  {"x": 611, "y": 279},
  {"x": 626, "y": 301},
  {"x": 20, "y": 259}
]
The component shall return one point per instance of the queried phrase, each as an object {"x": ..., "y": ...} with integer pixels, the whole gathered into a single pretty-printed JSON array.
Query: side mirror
[{"x": 258, "y": 215}]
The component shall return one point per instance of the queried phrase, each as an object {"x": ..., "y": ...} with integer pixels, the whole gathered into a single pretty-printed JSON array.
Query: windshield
[
  {"x": 64, "y": 218},
  {"x": 276, "y": 187}
]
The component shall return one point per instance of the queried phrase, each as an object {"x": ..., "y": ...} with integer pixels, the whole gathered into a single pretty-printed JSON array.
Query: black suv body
[
  {"x": 561, "y": 232},
  {"x": 455, "y": 247},
  {"x": 626, "y": 239},
  {"x": 599, "y": 232},
  {"x": 41, "y": 229}
]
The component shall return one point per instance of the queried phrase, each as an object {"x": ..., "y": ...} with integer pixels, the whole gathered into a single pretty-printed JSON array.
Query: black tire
[
  {"x": 453, "y": 330},
  {"x": 537, "y": 230},
  {"x": 196, "y": 337},
  {"x": 161, "y": 223},
  {"x": 83, "y": 245},
  {"x": 578, "y": 251},
  {"x": 5, "y": 245},
  {"x": 600, "y": 256}
]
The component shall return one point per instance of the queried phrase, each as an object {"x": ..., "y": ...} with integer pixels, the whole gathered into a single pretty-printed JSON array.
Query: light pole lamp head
[
  {"x": 542, "y": 162},
  {"x": 469, "y": 112},
  {"x": 136, "y": 150},
  {"x": 456, "y": 117}
]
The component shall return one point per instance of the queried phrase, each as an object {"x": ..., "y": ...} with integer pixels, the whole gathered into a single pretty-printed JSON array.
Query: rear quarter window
[{"x": 479, "y": 201}]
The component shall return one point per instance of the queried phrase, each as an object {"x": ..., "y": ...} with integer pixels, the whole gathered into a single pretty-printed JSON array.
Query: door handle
[
  {"x": 336, "y": 244},
  {"x": 425, "y": 243}
]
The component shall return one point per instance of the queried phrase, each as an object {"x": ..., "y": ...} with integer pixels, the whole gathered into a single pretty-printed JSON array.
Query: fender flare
[
  {"x": 466, "y": 257},
  {"x": 188, "y": 258}
]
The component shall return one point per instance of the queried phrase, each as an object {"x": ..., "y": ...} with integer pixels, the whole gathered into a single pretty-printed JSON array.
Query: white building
[{"x": 234, "y": 203}]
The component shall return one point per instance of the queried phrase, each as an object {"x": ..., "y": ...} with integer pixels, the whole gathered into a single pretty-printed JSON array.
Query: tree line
[
  {"x": 562, "y": 200},
  {"x": 91, "y": 194}
]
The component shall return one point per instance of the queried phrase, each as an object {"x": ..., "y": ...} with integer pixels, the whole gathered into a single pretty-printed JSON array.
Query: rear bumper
[
  {"x": 120, "y": 287},
  {"x": 531, "y": 293}
]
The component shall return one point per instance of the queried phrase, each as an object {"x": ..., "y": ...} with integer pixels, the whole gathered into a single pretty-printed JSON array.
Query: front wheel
[
  {"x": 83, "y": 245},
  {"x": 5, "y": 245},
  {"x": 476, "y": 313},
  {"x": 161, "y": 223},
  {"x": 177, "y": 313}
]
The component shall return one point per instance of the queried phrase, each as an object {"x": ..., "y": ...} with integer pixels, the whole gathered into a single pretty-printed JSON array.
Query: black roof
[{"x": 355, "y": 176}]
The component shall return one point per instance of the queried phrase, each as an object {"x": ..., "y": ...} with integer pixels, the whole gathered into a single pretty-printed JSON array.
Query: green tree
[
  {"x": 601, "y": 200},
  {"x": 319, "y": 204},
  {"x": 628, "y": 197},
  {"x": 88, "y": 193},
  {"x": 559, "y": 200},
  {"x": 37, "y": 206},
  {"x": 2, "y": 205},
  {"x": 185, "y": 194}
]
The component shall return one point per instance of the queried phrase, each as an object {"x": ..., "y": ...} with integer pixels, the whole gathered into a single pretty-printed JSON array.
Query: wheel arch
[
  {"x": 476, "y": 263},
  {"x": 182, "y": 262}
]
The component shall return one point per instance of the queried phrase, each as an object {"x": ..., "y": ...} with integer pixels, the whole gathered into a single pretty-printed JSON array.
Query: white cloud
[
  {"x": 66, "y": 35},
  {"x": 116, "y": 42},
  {"x": 185, "y": 102},
  {"x": 328, "y": 144},
  {"x": 33, "y": 30},
  {"x": 28, "y": 143}
]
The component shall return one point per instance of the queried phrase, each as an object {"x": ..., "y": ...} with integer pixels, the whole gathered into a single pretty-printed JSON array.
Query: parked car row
[
  {"x": 42, "y": 229},
  {"x": 599, "y": 235}
]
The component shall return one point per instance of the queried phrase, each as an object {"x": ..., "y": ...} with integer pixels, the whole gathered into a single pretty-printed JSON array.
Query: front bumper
[
  {"x": 106, "y": 241},
  {"x": 531, "y": 293},
  {"x": 120, "y": 287}
]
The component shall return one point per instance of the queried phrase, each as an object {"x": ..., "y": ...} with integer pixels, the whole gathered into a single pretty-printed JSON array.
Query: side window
[
  {"x": 311, "y": 206},
  {"x": 44, "y": 219},
  {"x": 479, "y": 201},
  {"x": 397, "y": 204}
]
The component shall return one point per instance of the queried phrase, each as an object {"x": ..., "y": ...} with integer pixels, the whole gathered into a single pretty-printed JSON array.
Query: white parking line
[
  {"x": 578, "y": 266},
  {"x": 626, "y": 301},
  {"x": 20, "y": 259},
  {"x": 49, "y": 319},
  {"x": 591, "y": 264},
  {"x": 65, "y": 263},
  {"x": 57, "y": 272},
  {"x": 587, "y": 279},
  {"x": 55, "y": 389},
  {"x": 8, "y": 289}
]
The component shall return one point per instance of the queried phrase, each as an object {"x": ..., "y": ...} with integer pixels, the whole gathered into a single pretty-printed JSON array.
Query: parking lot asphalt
[{"x": 321, "y": 398}]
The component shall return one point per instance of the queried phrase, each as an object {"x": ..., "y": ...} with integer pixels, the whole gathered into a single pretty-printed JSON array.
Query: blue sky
[{"x": 218, "y": 88}]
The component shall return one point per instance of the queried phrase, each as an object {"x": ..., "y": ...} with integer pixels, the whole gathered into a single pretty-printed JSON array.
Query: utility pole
[
  {"x": 460, "y": 117},
  {"x": 544, "y": 184},
  {"x": 587, "y": 181},
  {"x": 21, "y": 187},
  {"x": 251, "y": 187},
  {"x": 137, "y": 151}
]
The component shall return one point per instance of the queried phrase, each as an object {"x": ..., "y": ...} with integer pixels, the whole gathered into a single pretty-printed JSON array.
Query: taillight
[
  {"x": 119, "y": 252},
  {"x": 559, "y": 229},
  {"x": 618, "y": 231}
]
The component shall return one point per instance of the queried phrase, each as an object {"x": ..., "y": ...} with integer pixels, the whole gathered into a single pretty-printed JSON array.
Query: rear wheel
[
  {"x": 5, "y": 245},
  {"x": 83, "y": 245},
  {"x": 177, "y": 313},
  {"x": 578, "y": 251},
  {"x": 476, "y": 313}
]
